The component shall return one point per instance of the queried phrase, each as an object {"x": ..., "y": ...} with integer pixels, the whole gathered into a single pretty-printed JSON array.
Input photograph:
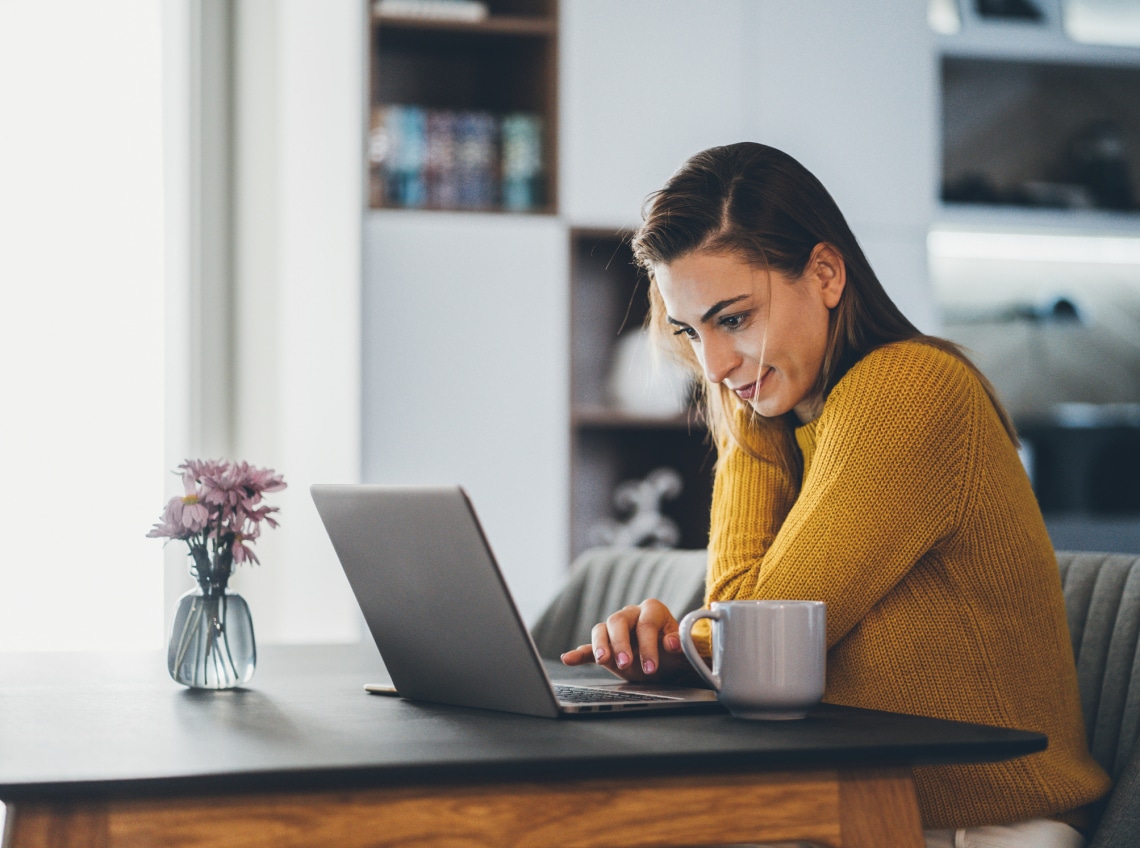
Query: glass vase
[{"x": 211, "y": 642}]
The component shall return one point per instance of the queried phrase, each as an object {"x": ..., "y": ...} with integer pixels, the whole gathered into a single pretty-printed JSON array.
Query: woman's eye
[
  {"x": 688, "y": 332},
  {"x": 733, "y": 322}
]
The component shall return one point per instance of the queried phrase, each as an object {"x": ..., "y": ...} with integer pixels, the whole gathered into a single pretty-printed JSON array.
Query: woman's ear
[{"x": 829, "y": 271}]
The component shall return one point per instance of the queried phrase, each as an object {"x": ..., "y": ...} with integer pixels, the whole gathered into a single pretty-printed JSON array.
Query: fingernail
[
  {"x": 623, "y": 659},
  {"x": 648, "y": 667},
  {"x": 599, "y": 653},
  {"x": 673, "y": 643}
]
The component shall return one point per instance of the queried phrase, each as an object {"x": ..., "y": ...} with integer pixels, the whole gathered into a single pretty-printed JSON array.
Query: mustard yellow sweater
[{"x": 915, "y": 521}]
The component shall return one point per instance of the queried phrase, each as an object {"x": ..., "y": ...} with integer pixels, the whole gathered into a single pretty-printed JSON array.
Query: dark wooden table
[{"x": 107, "y": 751}]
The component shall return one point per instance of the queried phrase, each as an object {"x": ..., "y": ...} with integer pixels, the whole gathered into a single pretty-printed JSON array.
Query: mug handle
[{"x": 690, "y": 647}]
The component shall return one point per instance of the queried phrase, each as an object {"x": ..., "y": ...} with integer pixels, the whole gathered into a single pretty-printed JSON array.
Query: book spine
[
  {"x": 379, "y": 151},
  {"x": 476, "y": 148},
  {"x": 440, "y": 163},
  {"x": 522, "y": 180},
  {"x": 406, "y": 184}
]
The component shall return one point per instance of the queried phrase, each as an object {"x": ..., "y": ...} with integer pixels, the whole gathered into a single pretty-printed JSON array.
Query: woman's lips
[{"x": 748, "y": 392}]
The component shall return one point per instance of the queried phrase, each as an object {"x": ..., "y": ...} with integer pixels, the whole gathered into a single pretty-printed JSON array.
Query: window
[{"x": 81, "y": 324}]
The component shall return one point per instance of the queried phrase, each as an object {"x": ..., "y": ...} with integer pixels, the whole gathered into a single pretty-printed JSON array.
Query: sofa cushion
[
  {"x": 603, "y": 580},
  {"x": 1102, "y": 597}
]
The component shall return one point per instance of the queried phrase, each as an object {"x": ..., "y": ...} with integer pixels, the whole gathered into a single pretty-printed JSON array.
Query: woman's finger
[
  {"x": 581, "y": 655},
  {"x": 619, "y": 627},
  {"x": 671, "y": 636},
  {"x": 600, "y": 645},
  {"x": 651, "y": 626}
]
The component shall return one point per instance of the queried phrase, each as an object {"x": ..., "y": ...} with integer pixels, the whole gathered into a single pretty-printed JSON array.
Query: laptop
[{"x": 436, "y": 603}]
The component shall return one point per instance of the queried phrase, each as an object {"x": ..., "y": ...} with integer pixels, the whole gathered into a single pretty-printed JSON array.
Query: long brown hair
[{"x": 758, "y": 203}]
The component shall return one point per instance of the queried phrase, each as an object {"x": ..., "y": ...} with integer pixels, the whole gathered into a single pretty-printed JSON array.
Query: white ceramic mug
[{"x": 768, "y": 656}]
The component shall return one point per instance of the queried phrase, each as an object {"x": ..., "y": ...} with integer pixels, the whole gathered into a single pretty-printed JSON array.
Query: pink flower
[
  {"x": 261, "y": 513},
  {"x": 221, "y": 510},
  {"x": 263, "y": 480},
  {"x": 242, "y": 551},
  {"x": 171, "y": 524},
  {"x": 222, "y": 488},
  {"x": 195, "y": 516},
  {"x": 196, "y": 469}
]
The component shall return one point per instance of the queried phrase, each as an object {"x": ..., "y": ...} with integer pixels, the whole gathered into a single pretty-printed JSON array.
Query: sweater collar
[{"x": 806, "y": 435}]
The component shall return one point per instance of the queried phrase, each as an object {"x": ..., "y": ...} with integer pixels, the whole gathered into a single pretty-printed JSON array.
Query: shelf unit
[
  {"x": 1029, "y": 41},
  {"x": 1024, "y": 219},
  {"x": 1015, "y": 96},
  {"x": 506, "y": 63},
  {"x": 1030, "y": 123},
  {"x": 609, "y": 445}
]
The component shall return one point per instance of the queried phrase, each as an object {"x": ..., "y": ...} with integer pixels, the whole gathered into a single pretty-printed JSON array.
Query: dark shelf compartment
[
  {"x": 605, "y": 459},
  {"x": 1091, "y": 470},
  {"x": 504, "y": 64},
  {"x": 606, "y": 418},
  {"x": 447, "y": 69},
  {"x": 1036, "y": 134},
  {"x": 610, "y": 446}
]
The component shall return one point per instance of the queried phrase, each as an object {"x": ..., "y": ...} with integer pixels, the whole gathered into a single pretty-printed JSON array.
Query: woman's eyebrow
[
  {"x": 713, "y": 310},
  {"x": 719, "y": 305}
]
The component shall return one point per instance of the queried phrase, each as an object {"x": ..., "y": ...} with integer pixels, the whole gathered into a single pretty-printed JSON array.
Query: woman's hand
[{"x": 640, "y": 643}]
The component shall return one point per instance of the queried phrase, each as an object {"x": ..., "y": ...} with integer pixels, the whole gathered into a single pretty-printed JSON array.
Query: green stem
[
  {"x": 189, "y": 626},
  {"x": 229, "y": 654}
]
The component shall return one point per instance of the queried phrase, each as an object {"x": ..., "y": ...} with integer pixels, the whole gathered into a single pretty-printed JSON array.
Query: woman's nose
[{"x": 719, "y": 360}]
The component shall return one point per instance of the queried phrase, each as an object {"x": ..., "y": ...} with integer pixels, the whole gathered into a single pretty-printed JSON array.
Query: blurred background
[{"x": 386, "y": 242}]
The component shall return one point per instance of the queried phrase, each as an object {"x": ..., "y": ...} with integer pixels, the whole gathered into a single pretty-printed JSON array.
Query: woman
[{"x": 869, "y": 466}]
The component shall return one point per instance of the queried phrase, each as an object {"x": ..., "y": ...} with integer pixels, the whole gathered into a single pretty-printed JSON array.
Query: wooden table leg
[
  {"x": 879, "y": 807},
  {"x": 57, "y": 824},
  {"x": 870, "y": 808}
]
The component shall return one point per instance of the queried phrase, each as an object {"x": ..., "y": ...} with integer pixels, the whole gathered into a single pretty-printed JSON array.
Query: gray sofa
[{"x": 1102, "y": 597}]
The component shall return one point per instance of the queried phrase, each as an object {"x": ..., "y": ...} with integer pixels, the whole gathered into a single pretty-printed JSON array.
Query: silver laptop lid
[{"x": 433, "y": 597}]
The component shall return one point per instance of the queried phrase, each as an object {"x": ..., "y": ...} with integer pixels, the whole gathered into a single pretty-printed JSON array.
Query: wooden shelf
[
  {"x": 495, "y": 25},
  {"x": 606, "y": 418},
  {"x": 447, "y": 93},
  {"x": 544, "y": 209},
  {"x": 999, "y": 218}
]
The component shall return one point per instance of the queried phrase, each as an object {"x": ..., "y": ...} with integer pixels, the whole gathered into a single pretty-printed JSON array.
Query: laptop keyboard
[{"x": 586, "y": 695}]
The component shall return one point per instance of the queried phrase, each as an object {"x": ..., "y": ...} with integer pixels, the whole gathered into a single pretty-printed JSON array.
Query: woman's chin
[{"x": 767, "y": 407}]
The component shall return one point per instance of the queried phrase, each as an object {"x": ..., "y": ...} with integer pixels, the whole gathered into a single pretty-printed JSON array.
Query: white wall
[
  {"x": 299, "y": 151},
  {"x": 644, "y": 85},
  {"x": 850, "y": 89},
  {"x": 465, "y": 375}
]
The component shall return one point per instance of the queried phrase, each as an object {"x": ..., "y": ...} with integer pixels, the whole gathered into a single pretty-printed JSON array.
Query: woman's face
[{"x": 759, "y": 332}]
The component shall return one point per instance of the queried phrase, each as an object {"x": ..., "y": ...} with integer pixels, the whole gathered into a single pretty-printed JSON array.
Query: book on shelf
[
  {"x": 445, "y": 159},
  {"x": 398, "y": 154},
  {"x": 522, "y": 177},
  {"x": 470, "y": 11},
  {"x": 476, "y": 166},
  {"x": 441, "y": 164}
]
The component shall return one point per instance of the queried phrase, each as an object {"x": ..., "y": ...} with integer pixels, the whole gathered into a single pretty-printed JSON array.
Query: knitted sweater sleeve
[{"x": 885, "y": 485}]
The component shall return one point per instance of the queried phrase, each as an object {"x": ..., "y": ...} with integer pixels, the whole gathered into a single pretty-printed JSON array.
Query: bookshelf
[
  {"x": 1037, "y": 127},
  {"x": 611, "y": 444},
  {"x": 463, "y": 112},
  {"x": 1039, "y": 135}
]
